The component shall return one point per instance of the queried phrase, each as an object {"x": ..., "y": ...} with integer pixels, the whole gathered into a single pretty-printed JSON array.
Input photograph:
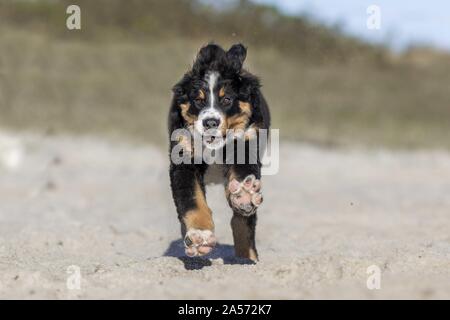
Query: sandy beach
[{"x": 105, "y": 207}]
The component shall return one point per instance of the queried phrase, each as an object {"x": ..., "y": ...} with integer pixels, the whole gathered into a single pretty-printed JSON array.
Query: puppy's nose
[{"x": 211, "y": 123}]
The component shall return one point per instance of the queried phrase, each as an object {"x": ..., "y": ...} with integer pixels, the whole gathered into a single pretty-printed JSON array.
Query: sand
[{"x": 104, "y": 208}]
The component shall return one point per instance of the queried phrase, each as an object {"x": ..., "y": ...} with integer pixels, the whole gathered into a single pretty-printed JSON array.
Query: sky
[{"x": 402, "y": 22}]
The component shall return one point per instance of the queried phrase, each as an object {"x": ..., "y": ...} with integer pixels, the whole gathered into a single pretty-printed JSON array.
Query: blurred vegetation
[
  {"x": 155, "y": 19},
  {"x": 114, "y": 76}
]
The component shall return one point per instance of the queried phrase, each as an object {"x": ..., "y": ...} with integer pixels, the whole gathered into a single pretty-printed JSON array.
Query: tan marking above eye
[
  {"x": 222, "y": 92},
  {"x": 201, "y": 95}
]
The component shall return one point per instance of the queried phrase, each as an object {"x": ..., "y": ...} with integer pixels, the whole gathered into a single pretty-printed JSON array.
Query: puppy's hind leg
[{"x": 244, "y": 236}]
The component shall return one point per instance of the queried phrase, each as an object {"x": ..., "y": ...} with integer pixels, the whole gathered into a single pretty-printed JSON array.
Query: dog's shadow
[{"x": 222, "y": 251}]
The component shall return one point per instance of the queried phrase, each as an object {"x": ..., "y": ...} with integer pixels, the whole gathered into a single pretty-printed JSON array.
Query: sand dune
[{"x": 105, "y": 208}]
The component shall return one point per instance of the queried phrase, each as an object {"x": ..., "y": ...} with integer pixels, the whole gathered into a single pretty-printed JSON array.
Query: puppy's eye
[
  {"x": 198, "y": 101},
  {"x": 226, "y": 101}
]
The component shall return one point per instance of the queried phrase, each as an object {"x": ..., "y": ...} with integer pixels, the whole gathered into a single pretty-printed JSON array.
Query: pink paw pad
[
  {"x": 199, "y": 242},
  {"x": 245, "y": 195}
]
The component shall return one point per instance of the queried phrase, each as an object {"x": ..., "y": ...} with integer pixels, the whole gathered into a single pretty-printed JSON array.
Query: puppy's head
[{"x": 213, "y": 96}]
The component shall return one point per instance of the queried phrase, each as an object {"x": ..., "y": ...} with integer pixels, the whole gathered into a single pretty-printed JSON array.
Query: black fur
[{"x": 241, "y": 86}]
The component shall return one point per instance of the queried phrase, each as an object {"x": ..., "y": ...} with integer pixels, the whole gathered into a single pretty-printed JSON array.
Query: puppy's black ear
[
  {"x": 180, "y": 90},
  {"x": 180, "y": 95},
  {"x": 207, "y": 56},
  {"x": 249, "y": 87},
  {"x": 236, "y": 56},
  {"x": 177, "y": 90}
]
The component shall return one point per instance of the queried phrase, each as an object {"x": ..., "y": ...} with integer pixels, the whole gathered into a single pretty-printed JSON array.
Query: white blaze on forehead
[
  {"x": 210, "y": 111},
  {"x": 212, "y": 80}
]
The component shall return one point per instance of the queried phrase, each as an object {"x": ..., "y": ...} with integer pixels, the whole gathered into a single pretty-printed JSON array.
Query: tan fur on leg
[{"x": 200, "y": 217}]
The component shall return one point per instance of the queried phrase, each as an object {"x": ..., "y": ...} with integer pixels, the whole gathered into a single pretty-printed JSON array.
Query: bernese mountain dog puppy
[{"x": 218, "y": 95}]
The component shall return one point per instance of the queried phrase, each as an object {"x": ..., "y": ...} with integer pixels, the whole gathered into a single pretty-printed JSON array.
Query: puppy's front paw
[
  {"x": 199, "y": 242},
  {"x": 245, "y": 196}
]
